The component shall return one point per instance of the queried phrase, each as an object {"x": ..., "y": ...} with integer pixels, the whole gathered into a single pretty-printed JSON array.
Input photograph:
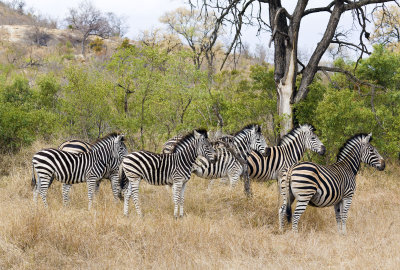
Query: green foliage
[
  {"x": 159, "y": 93},
  {"x": 18, "y": 93},
  {"x": 340, "y": 115},
  {"x": 86, "y": 102},
  {"x": 243, "y": 99},
  {"x": 21, "y": 118},
  {"x": 97, "y": 45},
  {"x": 48, "y": 88},
  {"x": 305, "y": 111}
]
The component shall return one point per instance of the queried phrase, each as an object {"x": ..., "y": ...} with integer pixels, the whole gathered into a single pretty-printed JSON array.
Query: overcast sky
[{"x": 144, "y": 15}]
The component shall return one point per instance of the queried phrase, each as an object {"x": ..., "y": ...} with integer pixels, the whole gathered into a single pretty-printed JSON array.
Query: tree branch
[
  {"x": 350, "y": 76},
  {"x": 320, "y": 9}
]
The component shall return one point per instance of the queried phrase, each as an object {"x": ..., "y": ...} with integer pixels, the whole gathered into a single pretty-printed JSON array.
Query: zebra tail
[
  {"x": 123, "y": 182},
  {"x": 288, "y": 198},
  {"x": 33, "y": 182}
]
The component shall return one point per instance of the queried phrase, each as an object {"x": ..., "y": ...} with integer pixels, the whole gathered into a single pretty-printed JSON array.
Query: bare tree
[
  {"x": 88, "y": 20},
  {"x": 198, "y": 32},
  {"x": 284, "y": 28}
]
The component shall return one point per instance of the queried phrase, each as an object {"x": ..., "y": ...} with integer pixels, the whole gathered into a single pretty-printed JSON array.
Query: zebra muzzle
[{"x": 382, "y": 166}]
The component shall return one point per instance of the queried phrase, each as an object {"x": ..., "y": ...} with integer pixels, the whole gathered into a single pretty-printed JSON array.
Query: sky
[{"x": 144, "y": 15}]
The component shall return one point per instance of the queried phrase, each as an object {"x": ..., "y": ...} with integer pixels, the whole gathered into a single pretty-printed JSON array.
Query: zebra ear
[
  {"x": 120, "y": 138},
  {"x": 197, "y": 135},
  {"x": 368, "y": 138}
]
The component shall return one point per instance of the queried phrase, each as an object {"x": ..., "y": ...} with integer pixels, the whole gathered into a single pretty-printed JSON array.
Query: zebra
[
  {"x": 78, "y": 146},
  {"x": 288, "y": 152},
  {"x": 166, "y": 169},
  {"x": 70, "y": 168},
  {"x": 232, "y": 155},
  {"x": 322, "y": 186}
]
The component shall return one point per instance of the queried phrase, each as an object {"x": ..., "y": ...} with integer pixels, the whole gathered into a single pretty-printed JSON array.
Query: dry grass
[{"x": 222, "y": 229}]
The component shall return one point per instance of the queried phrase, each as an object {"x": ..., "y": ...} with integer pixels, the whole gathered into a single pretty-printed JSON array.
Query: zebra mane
[
  {"x": 288, "y": 137},
  {"x": 249, "y": 126},
  {"x": 348, "y": 144},
  {"x": 187, "y": 138},
  {"x": 110, "y": 135}
]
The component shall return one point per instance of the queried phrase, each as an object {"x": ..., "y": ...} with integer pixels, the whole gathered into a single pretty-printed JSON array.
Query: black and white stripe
[
  {"x": 169, "y": 145},
  {"x": 166, "y": 169},
  {"x": 321, "y": 186},
  {"x": 78, "y": 146},
  {"x": 231, "y": 160},
  {"x": 288, "y": 152},
  {"x": 101, "y": 161}
]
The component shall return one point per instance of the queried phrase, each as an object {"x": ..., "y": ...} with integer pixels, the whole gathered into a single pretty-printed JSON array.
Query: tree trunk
[
  {"x": 285, "y": 89},
  {"x": 126, "y": 104},
  {"x": 285, "y": 43}
]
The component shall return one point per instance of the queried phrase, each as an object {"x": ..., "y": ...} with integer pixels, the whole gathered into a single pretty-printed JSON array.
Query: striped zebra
[
  {"x": 166, "y": 169},
  {"x": 289, "y": 151},
  {"x": 70, "y": 168},
  {"x": 321, "y": 186},
  {"x": 232, "y": 155},
  {"x": 78, "y": 146}
]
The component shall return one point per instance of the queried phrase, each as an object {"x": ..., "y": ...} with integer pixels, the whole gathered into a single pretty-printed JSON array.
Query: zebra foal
[
  {"x": 70, "y": 168},
  {"x": 321, "y": 186},
  {"x": 166, "y": 169}
]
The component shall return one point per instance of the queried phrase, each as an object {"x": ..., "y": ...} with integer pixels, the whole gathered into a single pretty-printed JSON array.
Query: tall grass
[{"x": 222, "y": 229}]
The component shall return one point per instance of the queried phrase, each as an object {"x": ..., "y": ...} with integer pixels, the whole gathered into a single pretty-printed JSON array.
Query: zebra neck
[
  {"x": 95, "y": 153},
  {"x": 189, "y": 156},
  {"x": 242, "y": 146},
  {"x": 295, "y": 149},
  {"x": 352, "y": 160}
]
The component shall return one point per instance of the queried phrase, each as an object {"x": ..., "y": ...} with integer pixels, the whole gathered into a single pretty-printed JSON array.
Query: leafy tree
[
  {"x": 86, "y": 103},
  {"x": 21, "y": 122},
  {"x": 285, "y": 29}
]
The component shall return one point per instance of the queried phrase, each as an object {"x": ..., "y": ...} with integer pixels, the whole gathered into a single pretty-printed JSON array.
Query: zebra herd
[{"x": 228, "y": 157}]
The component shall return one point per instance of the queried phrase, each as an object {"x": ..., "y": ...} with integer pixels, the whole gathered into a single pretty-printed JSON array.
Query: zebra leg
[
  {"x": 234, "y": 178},
  {"x": 91, "y": 184},
  {"x": 337, "y": 208},
  {"x": 128, "y": 194},
  {"x": 282, "y": 189},
  {"x": 176, "y": 192},
  {"x": 225, "y": 180},
  {"x": 43, "y": 187},
  {"x": 97, "y": 187},
  {"x": 116, "y": 187},
  {"x": 135, "y": 195},
  {"x": 65, "y": 193},
  {"x": 301, "y": 206},
  {"x": 182, "y": 199},
  {"x": 346, "y": 202}
]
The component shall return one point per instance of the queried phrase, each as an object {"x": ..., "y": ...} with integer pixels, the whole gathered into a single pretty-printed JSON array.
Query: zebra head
[
  {"x": 257, "y": 141},
  {"x": 119, "y": 149},
  {"x": 204, "y": 147},
  {"x": 312, "y": 141},
  {"x": 370, "y": 155}
]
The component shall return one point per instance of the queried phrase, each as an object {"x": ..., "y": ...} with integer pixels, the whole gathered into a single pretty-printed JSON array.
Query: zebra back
[
  {"x": 169, "y": 145},
  {"x": 75, "y": 146}
]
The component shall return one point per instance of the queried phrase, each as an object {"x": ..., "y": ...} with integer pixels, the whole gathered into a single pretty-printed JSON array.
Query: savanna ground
[{"x": 221, "y": 230}]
